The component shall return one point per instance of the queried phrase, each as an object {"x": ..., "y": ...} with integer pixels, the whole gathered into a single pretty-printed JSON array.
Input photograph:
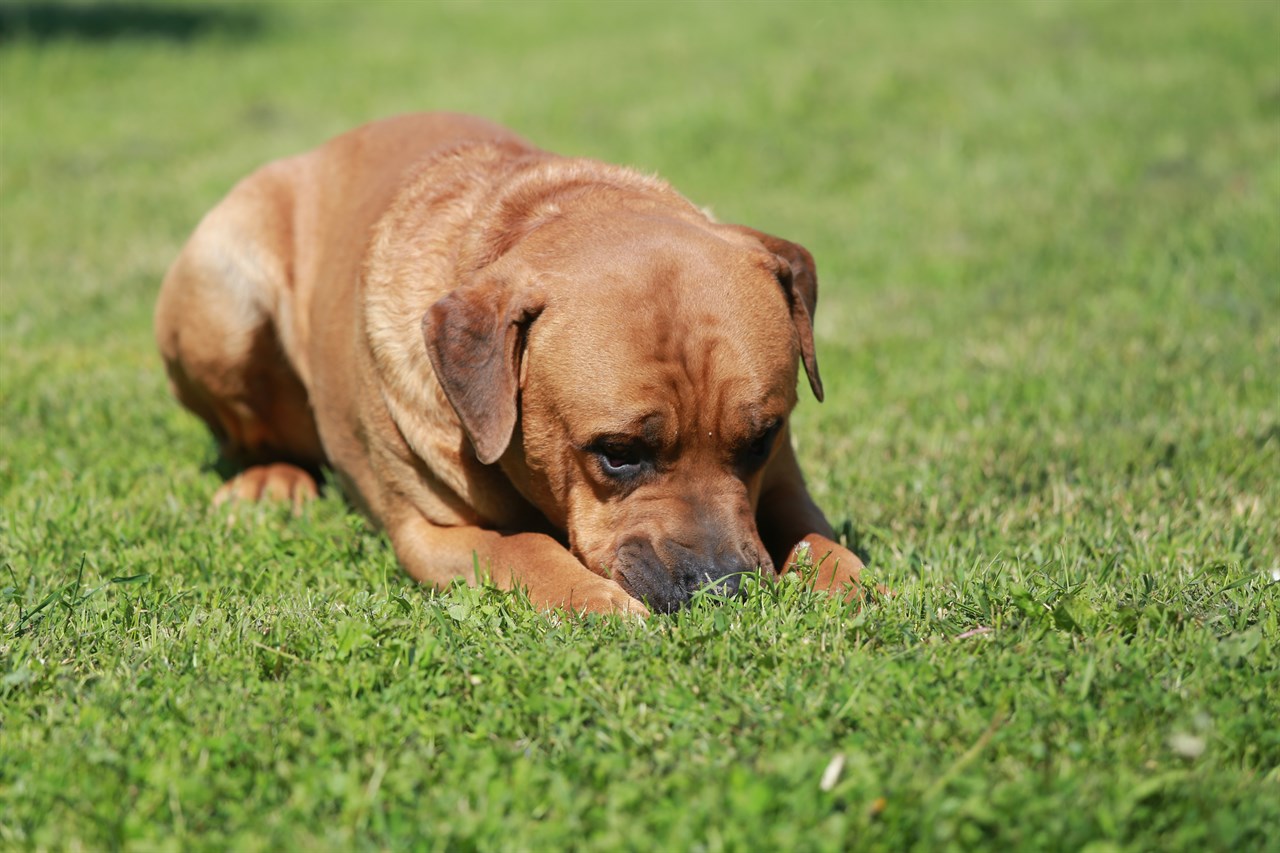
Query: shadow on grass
[
  {"x": 49, "y": 21},
  {"x": 854, "y": 539}
]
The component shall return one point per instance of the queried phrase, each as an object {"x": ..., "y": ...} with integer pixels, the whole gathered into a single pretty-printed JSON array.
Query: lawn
[{"x": 1048, "y": 236}]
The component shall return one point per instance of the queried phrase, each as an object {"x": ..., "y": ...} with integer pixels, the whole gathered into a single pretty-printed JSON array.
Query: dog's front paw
[
  {"x": 603, "y": 597},
  {"x": 276, "y": 482},
  {"x": 829, "y": 566}
]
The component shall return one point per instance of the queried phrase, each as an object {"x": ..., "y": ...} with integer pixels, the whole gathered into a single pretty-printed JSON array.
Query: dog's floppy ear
[
  {"x": 799, "y": 279},
  {"x": 475, "y": 337}
]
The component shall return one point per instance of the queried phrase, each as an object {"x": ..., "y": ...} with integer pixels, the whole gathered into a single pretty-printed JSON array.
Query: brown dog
[{"x": 555, "y": 369}]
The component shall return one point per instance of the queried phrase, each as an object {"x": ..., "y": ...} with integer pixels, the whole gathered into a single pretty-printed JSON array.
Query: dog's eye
[
  {"x": 617, "y": 464},
  {"x": 759, "y": 449},
  {"x": 620, "y": 459}
]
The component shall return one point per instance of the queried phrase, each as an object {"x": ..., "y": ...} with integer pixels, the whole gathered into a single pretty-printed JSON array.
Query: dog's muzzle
[{"x": 666, "y": 577}]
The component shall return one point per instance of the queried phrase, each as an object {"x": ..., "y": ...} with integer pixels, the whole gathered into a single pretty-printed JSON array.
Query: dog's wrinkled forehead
[{"x": 700, "y": 328}]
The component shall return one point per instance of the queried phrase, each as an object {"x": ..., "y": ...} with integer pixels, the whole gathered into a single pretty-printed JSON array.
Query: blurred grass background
[{"x": 1048, "y": 238}]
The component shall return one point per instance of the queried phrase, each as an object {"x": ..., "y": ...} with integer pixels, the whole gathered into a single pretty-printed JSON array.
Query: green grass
[{"x": 1049, "y": 241}]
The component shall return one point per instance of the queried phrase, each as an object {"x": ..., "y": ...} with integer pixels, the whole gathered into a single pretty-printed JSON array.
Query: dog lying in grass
[{"x": 555, "y": 370}]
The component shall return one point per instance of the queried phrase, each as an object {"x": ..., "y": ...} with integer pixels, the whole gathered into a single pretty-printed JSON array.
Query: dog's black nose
[
  {"x": 665, "y": 577},
  {"x": 723, "y": 576}
]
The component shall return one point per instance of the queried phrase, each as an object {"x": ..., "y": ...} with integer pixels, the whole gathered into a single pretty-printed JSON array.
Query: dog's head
[{"x": 633, "y": 375}]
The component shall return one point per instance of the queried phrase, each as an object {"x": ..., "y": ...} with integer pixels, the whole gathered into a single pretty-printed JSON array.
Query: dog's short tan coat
[{"x": 556, "y": 369}]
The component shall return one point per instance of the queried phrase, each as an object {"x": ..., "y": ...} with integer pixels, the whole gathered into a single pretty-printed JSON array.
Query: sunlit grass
[{"x": 1049, "y": 326}]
